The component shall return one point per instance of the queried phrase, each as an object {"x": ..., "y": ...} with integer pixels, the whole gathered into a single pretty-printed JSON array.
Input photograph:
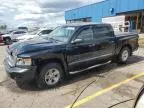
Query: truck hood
[
  {"x": 33, "y": 45},
  {"x": 6, "y": 35},
  {"x": 26, "y": 37}
]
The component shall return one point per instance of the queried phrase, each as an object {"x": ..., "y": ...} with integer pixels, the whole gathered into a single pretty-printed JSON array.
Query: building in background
[{"x": 124, "y": 15}]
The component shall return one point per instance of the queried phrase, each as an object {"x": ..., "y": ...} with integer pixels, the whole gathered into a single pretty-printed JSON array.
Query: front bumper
[{"x": 19, "y": 73}]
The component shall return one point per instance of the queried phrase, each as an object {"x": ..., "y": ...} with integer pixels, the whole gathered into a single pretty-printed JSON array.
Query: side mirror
[
  {"x": 76, "y": 41},
  {"x": 140, "y": 100}
]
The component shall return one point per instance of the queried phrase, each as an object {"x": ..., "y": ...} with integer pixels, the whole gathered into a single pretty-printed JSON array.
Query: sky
[{"x": 35, "y": 12}]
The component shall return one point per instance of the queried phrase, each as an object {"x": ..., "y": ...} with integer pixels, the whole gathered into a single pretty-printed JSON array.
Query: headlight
[{"x": 23, "y": 62}]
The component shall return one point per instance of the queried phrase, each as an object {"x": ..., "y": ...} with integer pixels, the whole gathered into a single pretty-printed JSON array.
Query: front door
[{"x": 79, "y": 54}]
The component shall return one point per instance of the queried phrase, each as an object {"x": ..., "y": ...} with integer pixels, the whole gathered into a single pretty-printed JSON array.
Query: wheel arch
[
  {"x": 128, "y": 46},
  {"x": 54, "y": 60}
]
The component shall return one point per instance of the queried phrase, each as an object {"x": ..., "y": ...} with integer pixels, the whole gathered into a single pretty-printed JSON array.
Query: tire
[
  {"x": 8, "y": 41},
  {"x": 20, "y": 84},
  {"x": 124, "y": 55},
  {"x": 50, "y": 75}
]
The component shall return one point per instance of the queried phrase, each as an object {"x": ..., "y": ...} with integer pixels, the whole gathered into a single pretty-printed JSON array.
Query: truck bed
[{"x": 125, "y": 34}]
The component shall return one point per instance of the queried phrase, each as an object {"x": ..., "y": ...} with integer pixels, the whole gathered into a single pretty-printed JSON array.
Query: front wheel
[
  {"x": 20, "y": 83},
  {"x": 50, "y": 75},
  {"x": 8, "y": 41},
  {"x": 123, "y": 55}
]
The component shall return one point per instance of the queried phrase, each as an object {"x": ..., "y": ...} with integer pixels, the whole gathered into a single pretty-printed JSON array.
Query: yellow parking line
[{"x": 89, "y": 98}]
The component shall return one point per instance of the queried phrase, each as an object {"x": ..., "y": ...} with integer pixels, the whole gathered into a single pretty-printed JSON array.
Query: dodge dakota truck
[{"x": 67, "y": 50}]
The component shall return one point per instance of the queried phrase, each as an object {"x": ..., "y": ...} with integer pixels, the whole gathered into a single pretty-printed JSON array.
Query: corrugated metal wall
[
  {"x": 129, "y": 5},
  {"x": 103, "y": 9}
]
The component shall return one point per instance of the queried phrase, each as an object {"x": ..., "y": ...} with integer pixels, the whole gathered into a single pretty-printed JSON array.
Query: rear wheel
[
  {"x": 50, "y": 75},
  {"x": 124, "y": 55}
]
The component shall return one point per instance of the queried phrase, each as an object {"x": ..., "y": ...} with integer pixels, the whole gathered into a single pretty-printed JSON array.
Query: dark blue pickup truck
[{"x": 67, "y": 50}]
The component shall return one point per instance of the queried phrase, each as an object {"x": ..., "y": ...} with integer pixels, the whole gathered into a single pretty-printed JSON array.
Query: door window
[
  {"x": 102, "y": 32},
  {"x": 86, "y": 34},
  {"x": 46, "y": 32}
]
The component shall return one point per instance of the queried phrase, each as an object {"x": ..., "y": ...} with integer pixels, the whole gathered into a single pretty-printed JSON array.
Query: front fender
[{"x": 42, "y": 57}]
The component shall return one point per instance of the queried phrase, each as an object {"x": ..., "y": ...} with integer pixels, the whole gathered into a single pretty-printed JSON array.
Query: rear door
[{"x": 104, "y": 41}]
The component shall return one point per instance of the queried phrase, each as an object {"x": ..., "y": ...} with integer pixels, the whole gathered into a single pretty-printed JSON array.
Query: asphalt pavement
[{"x": 104, "y": 86}]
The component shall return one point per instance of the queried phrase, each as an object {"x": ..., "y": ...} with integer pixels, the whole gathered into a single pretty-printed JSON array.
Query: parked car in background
[
  {"x": 23, "y": 28},
  {"x": 67, "y": 50},
  {"x": 9, "y": 38},
  {"x": 40, "y": 33},
  {"x": 1, "y": 38}
]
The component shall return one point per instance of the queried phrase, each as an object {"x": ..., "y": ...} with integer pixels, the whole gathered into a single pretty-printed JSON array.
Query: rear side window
[
  {"x": 19, "y": 32},
  {"x": 22, "y": 32},
  {"x": 102, "y": 31},
  {"x": 22, "y": 28},
  {"x": 46, "y": 31},
  {"x": 86, "y": 34}
]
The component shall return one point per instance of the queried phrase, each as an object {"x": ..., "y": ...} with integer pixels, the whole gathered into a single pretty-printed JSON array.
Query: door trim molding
[
  {"x": 79, "y": 71},
  {"x": 86, "y": 60}
]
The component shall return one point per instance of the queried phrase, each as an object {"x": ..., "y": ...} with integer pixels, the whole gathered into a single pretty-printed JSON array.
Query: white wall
[{"x": 115, "y": 21}]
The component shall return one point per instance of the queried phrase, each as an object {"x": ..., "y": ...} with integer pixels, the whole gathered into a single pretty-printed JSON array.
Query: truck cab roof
[{"x": 85, "y": 24}]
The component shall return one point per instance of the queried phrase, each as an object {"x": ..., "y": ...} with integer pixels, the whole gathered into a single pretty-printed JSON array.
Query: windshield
[{"x": 62, "y": 33}]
